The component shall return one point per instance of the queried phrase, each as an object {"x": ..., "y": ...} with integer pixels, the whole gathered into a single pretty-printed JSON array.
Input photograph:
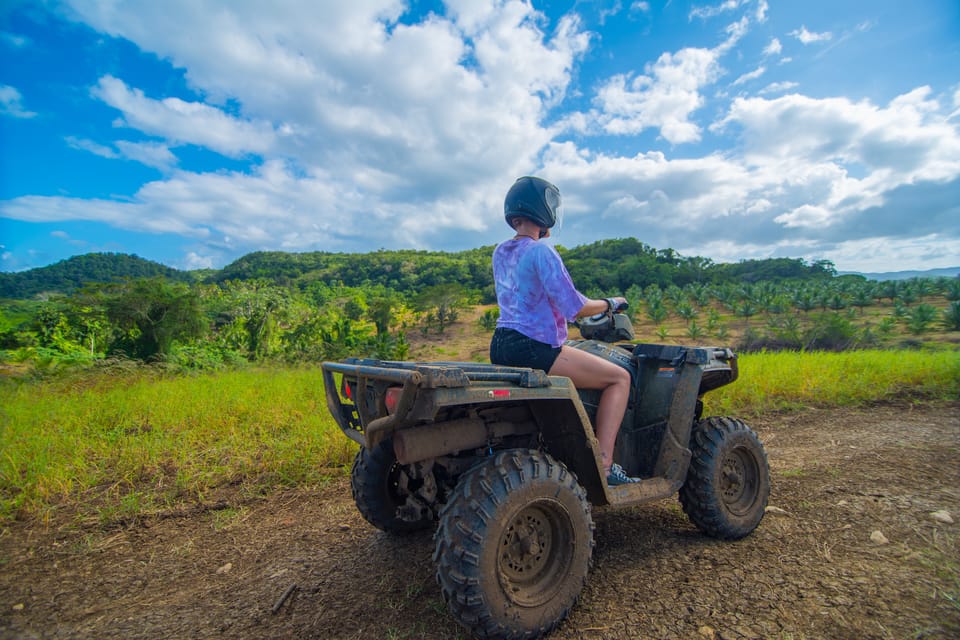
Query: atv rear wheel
[
  {"x": 514, "y": 545},
  {"x": 728, "y": 483},
  {"x": 385, "y": 491}
]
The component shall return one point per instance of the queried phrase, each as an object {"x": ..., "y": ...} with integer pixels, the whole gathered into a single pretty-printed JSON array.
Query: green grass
[
  {"x": 114, "y": 448},
  {"x": 137, "y": 445},
  {"x": 779, "y": 381}
]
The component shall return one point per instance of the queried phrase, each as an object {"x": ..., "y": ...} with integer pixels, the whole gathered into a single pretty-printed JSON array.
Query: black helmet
[{"x": 532, "y": 198}]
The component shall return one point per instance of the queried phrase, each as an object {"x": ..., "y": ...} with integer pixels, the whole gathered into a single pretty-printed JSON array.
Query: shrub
[
  {"x": 488, "y": 321},
  {"x": 830, "y": 332},
  {"x": 951, "y": 317}
]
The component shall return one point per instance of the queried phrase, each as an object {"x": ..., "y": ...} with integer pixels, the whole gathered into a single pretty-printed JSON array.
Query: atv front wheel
[
  {"x": 728, "y": 483},
  {"x": 514, "y": 545},
  {"x": 386, "y": 491}
]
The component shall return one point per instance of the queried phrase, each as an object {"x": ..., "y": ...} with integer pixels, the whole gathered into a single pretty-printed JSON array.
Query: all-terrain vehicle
[{"x": 505, "y": 463}]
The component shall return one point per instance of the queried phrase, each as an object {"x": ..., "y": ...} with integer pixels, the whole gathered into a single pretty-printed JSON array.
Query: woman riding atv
[{"x": 537, "y": 298}]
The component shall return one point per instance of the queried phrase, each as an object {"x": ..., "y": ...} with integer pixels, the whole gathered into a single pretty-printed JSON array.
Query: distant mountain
[
  {"x": 73, "y": 273},
  {"x": 946, "y": 272}
]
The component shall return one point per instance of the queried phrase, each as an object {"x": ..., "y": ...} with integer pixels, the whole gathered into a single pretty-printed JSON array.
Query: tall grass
[
  {"x": 777, "y": 381},
  {"x": 149, "y": 442},
  {"x": 115, "y": 448}
]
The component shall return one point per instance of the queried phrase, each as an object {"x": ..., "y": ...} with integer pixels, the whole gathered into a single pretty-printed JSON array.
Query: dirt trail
[{"x": 303, "y": 564}]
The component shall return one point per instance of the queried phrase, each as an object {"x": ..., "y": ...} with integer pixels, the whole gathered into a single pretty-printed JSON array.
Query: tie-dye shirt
[{"x": 534, "y": 290}]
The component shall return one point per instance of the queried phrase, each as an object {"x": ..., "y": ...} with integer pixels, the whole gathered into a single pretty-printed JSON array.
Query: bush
[
  {"x": 488, "y": 321},
  {"x": 951, "y": 317},
  {"x": 831, "y": 332}
]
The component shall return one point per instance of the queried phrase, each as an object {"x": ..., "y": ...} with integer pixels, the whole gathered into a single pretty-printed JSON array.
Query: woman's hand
[
  {"x": 593, "y": 307},
  {"x": 618, "y": 303}
]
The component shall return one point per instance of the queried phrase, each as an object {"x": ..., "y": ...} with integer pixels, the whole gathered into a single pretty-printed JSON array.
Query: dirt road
[{"x": 855, "y": 545}]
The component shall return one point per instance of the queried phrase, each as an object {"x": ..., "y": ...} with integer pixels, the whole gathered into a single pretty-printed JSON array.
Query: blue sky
[{"x": 192, "y": 132}]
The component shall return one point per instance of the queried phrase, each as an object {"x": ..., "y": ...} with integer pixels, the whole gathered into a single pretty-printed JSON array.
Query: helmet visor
[{"x": 551, "y": 196}]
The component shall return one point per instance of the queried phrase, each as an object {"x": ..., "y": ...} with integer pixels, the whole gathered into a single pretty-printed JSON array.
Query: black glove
[{"x": 613, "y": 306}]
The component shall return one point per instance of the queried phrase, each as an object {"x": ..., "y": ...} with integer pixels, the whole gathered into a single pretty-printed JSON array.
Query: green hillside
[{"x": 70, "y": 275}]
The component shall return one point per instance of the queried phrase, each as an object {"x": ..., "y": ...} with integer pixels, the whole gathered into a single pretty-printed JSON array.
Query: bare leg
[{"x": 588, "y": 371}]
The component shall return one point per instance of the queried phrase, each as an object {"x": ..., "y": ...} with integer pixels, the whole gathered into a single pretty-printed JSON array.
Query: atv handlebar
[{"x": 616, "y": 307}]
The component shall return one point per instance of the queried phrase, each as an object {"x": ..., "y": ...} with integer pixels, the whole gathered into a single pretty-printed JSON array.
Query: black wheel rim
[
  {"x": 739, "y": 479},
  {"x": 535, "y": 553}
]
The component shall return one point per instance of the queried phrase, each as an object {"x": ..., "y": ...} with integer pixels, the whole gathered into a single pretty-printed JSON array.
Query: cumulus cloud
[
  {"x": 365, "y": 123},
  {"x": 815, "y": 178},
  {"x": 360, "y": 127},
  {"x": 774, "y": 48},
  {"x": 669, "y": 92},
  {"x": 11, "y": 103},
  {"x": 664, "y": 98},
  {"x": 185, "y": 122},
  {"x": 711, "y": 11},
  {"x": 809, "y": 37},
  {"x": 761, "y": 13}
]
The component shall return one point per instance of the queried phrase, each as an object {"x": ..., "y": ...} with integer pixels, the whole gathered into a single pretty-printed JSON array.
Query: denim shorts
[{"x": 513, "y": 349}]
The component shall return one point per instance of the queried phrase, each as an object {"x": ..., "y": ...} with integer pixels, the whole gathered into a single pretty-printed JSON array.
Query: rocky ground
[{"x": 857, "y": 543}]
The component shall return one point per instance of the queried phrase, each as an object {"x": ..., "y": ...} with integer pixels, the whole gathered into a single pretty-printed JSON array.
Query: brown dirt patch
[{"x": 810, "y": 571}]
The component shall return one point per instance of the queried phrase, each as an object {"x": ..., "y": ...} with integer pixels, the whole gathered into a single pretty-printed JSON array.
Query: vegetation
[
  {"x": 127, "y": 389},
  {"x": 121, "y": 444},
  {"x": 68, "y": 276},
  {"x": 131, "y": 441},
  {"x": 272, "y": 306}
]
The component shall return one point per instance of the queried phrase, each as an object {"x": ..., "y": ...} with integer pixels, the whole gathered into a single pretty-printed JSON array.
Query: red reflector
[
  {"x": 499, "y": 393},
  {"x": 347, "y": 391},
  {"x": 393, "y": 398}
]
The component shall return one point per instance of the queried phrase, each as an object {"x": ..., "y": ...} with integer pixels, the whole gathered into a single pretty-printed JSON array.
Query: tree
[
  {"x": 153, "y": 314},
  {"x": 951, "y": 316},
  {"x": 694, "y": 331},
  {"x": 920, "y": 318},
  {"x": 380, "y": 309},
  {"x": 656, "y": 312},
  {"x": 746, "y": 310},
  {"x": 442, "y": 304}
]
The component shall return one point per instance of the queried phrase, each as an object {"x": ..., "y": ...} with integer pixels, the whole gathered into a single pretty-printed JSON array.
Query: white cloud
[
  {"x": 194, "y": 261},
  {"x": 152, "y": 154},
  {"x": 752, "y": 75},
  {"x": 11, "y": 103},
  {"x": 359, "y": 129},
  {"x": 375, "y": 118},
  {"x": 809, "y": 37},
  {"x": 663, "y": 99},
  {"x": 805, "y": 215},
  {"x": 956, "y": 104},
  {"x": 715, "y": 10},
  {"x": 774, "y": 48},
  {"x": 778, "y": 87},
  {"x": 90, "y": 146},
  {"x": 816, "y": 177},
  {"x": 762, "y": 8},
  {"x": 667, "y": 95},
  {"x": 184, "y": 122}
]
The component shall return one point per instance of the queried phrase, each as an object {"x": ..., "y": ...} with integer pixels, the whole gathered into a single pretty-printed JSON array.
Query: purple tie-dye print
[{"x": 534, "y": 290}]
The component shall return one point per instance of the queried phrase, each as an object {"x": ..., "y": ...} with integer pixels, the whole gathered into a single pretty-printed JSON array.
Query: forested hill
[
  {"x": 67, "y": 276},
  {"x": 608, "y": 266}
]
